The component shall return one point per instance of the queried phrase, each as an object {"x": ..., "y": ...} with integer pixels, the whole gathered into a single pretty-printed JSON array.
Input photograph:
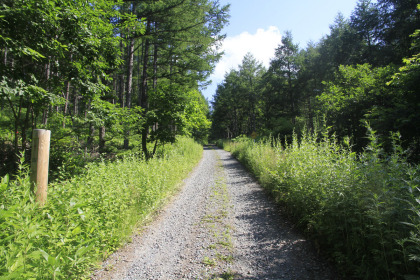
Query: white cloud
[{"x": 261, "y": 45}]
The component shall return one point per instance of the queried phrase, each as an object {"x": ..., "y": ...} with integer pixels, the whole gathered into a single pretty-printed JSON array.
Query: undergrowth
[
  {"x": 362, "y": 210},
  {"x": 87, "y": 217}
]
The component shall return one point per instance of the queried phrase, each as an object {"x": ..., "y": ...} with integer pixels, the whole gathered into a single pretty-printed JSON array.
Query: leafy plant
[
  {"x": 87, "y": 217},
  {"x": 362, "y": 210}
]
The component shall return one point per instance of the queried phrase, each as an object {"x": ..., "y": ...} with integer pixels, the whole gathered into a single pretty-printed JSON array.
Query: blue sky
[{"x": 256, "y": 26}]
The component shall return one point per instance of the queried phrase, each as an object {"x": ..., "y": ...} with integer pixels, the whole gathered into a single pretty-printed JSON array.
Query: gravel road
[{"x": 221, "y": 225}]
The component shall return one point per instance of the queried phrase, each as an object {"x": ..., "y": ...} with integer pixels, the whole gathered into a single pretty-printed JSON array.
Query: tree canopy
[
  {"x": 101, "y": 70},
  {"x": 364, "y": 71}
]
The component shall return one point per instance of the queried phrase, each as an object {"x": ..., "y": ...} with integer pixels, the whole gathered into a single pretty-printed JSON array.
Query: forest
[
  {"x": 105, "y": 76},
  {"x": 331, "y": 130},
  {"x": 365, "y": 71}
]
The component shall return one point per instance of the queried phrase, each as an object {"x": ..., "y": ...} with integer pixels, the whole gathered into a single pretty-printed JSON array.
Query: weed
[
  {"x": 85, "y": 218},
  {"x": 208, "y": 261},
  {"x": 363, "y": 210}
]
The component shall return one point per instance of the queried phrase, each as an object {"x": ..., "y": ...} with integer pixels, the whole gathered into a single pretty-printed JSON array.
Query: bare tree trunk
[
  {"x": 5, "y": 56},
  {"x": 128, "y": 97},
  {"x": 139, "y": 73},
  {"x": 66, "y": 104},
  {"x": 76, "y": 105},
  {"x": 130, "y": 73},
  {"x": 47, "y": 77},
  {"x": 102, "y": 139},
  {"x": 121, "y": 83},
  {"x": 25, "y": 126},
  {"x": 144, "y": 97},
  {"x": 91, "y": 137},
  {"x": 155, "y": 58}
]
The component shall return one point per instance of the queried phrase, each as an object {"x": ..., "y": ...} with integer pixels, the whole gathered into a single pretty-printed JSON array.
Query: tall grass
[
  {"x": 87, "y": 217},
  {"x": 363, "y": 210}
]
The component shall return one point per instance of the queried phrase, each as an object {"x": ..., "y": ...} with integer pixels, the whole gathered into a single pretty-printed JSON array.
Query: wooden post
[{"x": 39, "y": 163}]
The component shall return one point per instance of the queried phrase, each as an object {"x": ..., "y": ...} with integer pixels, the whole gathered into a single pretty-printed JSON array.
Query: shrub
[
  {"x": 87, "y": 217},
  {"x": 361, "y": 209}
]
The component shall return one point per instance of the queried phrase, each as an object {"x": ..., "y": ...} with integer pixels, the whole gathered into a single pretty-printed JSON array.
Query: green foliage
[
  {"x": 87, "y": 217},
  {"x": 345, "y": 77},
  {"x": 363, "y": 211},
  {"x": 356, "y": 94},
  {"x": 236, "y": 103},
  {"x": 197, "y": 123}
]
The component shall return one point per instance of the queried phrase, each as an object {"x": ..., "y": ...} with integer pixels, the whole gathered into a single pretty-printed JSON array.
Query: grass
[
  {"x": 217, "y": 221},
  {"x": 86, "y": 218},
  {"x": 362, "y": 210}
]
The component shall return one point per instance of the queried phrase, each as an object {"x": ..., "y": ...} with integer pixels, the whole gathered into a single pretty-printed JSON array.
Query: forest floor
[{"x": 221, "y": 225}]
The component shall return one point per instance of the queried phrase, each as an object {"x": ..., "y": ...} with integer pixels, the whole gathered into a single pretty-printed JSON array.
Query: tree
[
  {"x": 236, "y": 105},
  {"x": 179, "y": 48},
  {"x": 365, "y": 20},
  {"x": 349, "y": 100},
  {"x": 48, "y": 46},
  {"x": 282, "y": 77},
  {"x": 399, "y": 20}
]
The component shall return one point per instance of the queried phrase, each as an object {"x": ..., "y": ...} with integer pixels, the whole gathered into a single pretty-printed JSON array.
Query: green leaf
[
  {"x": 76, "y": 231},
  {"x": 31, "y": 52},
  {"x": 44, "y": 254},
  {"x": 83, "y": 250}
]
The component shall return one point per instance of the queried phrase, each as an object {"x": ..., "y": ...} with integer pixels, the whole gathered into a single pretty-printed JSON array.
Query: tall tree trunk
[
  {"x": 102, "y": 139},
  {"x": 66, "y": 104},
  {"x": 155, "y": 59},
  {"x": 129, "y": 86},
  {"x": 121, "y": 82},
  {"x": 47, "y": 77},
  {"x": 291, "y": 93},
  {"x": 45, "y": 116},
  {"x": 144, "y": 97},
  {"x": 5, "y": 57},
  {"x": 91, "y": 136},
  {"x": 76, "y": 105},
  {"x": 140, "y": 55},
  {"x": 25, "y": 126},
  {"x": 17, "y": 123},
  {"x": 130, "y": 64}
]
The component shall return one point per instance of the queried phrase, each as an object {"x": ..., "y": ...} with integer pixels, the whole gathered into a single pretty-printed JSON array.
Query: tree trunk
[
  {"x": 5, "y": 56},
  {"x": 76, "y": 105},
  {"x": 89, "y": 143},
  {"x": 45, "y": 116},
  {"x": 102, "y": 139},
  {"x": 130, "y": 67},
  {"x": 144, "y": 97},
  {"x": 140, "y": 55},
  {"x": 129, "y": 86},
  {"x": 155, "y": 58},
  {"x": 25, "y": 126},
  {"x": 121, "y": 83},
  {"x": 66, "y": 104}
]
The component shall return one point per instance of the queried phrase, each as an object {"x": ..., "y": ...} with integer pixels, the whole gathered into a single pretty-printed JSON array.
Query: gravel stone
[{"x": 221, "y": 224}]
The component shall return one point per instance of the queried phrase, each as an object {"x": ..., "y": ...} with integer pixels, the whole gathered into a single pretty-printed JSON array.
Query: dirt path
[{"x": 221, "y": 225}]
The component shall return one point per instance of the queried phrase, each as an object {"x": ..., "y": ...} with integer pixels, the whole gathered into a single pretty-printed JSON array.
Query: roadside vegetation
[
  {"x": 361, "y": 209},
  {"x": 354, "y": 187},
  {"x": 118, "y": 85},
  {"x": 87, "y": 217}
]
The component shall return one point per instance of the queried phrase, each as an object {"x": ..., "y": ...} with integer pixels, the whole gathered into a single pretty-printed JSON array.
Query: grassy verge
[
  {"x": 362, "y": 210},
  {"x": 87, "y": 217}
]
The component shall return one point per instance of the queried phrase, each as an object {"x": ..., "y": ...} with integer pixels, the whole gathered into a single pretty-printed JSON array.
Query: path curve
[{"x": 220, "y": 225}]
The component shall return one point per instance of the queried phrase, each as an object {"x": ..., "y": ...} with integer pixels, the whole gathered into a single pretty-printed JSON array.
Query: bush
[
  {"x": 87, "y": 217},
  {"x": 362, "y": 210}
]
